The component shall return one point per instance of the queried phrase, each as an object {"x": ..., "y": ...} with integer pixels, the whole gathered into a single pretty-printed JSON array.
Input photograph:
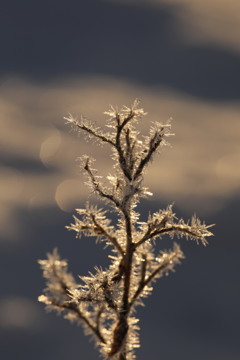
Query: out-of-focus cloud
[
  {"x": 13, "y": 180},
  {"x": 226, "y": 167},
  {"x": 203, "y": 21},
  {"x": 212, "y": 21},
  {"x": 200, "y": 171}
]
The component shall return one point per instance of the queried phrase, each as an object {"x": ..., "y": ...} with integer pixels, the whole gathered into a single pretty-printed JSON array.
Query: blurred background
[{"x": 181, "y": 58}]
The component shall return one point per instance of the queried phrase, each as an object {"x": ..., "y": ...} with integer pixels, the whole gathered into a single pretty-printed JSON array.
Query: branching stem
[{"x": 105, "y": 301}]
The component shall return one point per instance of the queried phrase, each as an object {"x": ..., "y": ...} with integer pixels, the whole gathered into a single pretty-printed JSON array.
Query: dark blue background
[{"x": 194, "y": 313}]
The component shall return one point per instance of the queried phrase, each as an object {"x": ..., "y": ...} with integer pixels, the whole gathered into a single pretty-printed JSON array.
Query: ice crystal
[{"x": 104, "y": 302}]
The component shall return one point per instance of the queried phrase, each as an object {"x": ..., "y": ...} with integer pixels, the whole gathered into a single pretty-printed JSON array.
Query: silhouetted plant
[{"x": 105, "y": 301}]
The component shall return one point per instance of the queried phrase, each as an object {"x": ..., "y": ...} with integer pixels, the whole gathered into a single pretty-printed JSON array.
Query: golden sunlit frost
[{"x": 105, "y": 300}]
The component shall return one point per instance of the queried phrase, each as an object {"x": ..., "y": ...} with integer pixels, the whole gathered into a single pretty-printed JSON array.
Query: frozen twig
[{"x": 105, "y": 301}]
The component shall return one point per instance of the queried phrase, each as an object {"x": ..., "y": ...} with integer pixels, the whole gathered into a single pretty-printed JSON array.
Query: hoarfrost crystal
[{"x": 105, "y": 301}]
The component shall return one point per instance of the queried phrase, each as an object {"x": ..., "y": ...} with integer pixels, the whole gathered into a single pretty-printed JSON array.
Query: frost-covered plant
[{"x": 104, "y": 302}]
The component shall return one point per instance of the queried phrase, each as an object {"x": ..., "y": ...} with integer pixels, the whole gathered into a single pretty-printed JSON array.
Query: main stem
[
  {"x": 121, "y": 329},
  {"x": 122, "y": 357},
  {"x": 127, "y": 281},
  {"x": 128, "y": 264}
]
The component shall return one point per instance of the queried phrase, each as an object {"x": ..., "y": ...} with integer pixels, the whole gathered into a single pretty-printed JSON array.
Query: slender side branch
[
  {"x": 143, "y": 269},
  {"x": 101, "y": 231},
  {"x": 187, "y": 231},
  {"x": 141, "y": 284},
  {"x": 71, "y": 307},
  {"x": 95, "y": 223},
  {"x": 98, "y": 318},
  {"x": 58, "y": 293},
  {"x": 128, "y": 118},
  {"x": 90, "y": 131},
  {"x": 122, "y": 159},
  {"x": 97, "y": 187},
  {"x": 154, "y": 143},
  {"x": 167, "y": 261},
  {"x": 196, "y": 231},
  {"x": 130, "y": 145}
]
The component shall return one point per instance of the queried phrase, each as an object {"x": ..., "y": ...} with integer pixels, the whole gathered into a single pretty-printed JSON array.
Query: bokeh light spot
[
  {"x": 69, "y": 193},
  {"x": 50, "y": 146}
]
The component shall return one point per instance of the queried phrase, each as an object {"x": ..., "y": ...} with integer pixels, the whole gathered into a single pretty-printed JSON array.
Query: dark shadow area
[{"x": 44, "y": 41}]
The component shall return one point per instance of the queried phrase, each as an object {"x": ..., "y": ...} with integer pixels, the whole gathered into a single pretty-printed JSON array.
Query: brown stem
[
  {"x": 122, "y": 357},
  {"x": 128, "y": 263},
  {"x": 121, "y": 329},
  {"x": 174, "y": 227},
  {"x": 153, "y": 145},
  {"x": 97, "y": 186},
  {"x": 122, "y": 159},
  {"x": 93, "y": 133}
]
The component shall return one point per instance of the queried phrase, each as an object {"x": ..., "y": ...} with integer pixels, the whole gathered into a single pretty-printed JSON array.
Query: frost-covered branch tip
[{"x": 105, "y": 301}]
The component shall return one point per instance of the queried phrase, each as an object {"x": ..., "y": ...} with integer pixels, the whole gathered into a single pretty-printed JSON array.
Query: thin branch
[
  {"x": 130, "y": 145},
  {"x": 92, "y": 132},
  {"x": 75, "y": 309},
  {"x": 121, "y": 155},
  {"x": 127, "y": 119},
  {"x": 122, "y": 159},
  {"x": 168, "y": 263},
  {"x": 161, "y": 268},
  {"x": 143, "y": 268},
  {"x": 101, "y": 231},
  {"x": 146, "y": 237},
  {"x": 97, "y": 187},
  {"x": 194, "y": 232},
  {"x": 154, "y": 143},
  {"x": 141, "y": 284},
  {"x": 98, "y": 318},
  {"x": 95, "y": 134}
]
